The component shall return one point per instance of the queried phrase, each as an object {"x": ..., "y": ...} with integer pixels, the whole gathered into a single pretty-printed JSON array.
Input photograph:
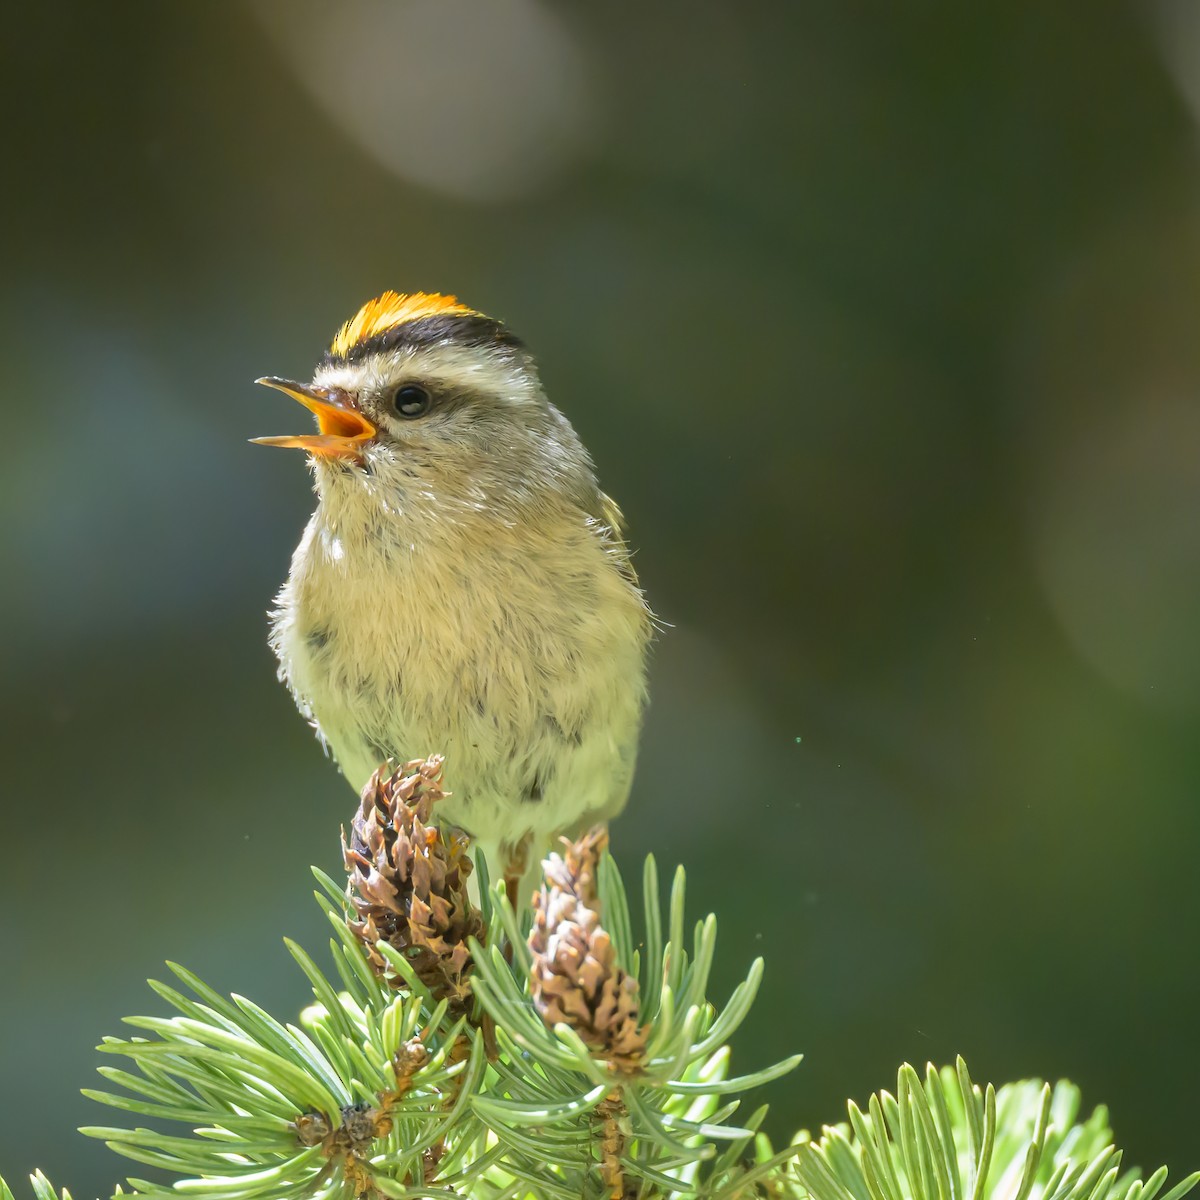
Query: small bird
[{"x": 463, "y": 587}]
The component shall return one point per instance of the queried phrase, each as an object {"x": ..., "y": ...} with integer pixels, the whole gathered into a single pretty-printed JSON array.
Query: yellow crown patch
[{"x": 392, "y": 309}]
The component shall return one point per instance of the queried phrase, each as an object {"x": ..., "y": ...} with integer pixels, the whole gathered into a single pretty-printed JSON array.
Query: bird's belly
[{"x": 532, "y": 687}]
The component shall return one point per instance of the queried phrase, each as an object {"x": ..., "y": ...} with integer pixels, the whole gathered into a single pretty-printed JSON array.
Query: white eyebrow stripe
[{"x": 445, "y": 366}]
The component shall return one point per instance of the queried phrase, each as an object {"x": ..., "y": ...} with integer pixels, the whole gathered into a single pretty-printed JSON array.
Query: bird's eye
[{"x": 411, "y": 400}]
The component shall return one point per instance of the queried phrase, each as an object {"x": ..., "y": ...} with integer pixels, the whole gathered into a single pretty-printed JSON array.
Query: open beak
[{"x": 343, "y": 429}]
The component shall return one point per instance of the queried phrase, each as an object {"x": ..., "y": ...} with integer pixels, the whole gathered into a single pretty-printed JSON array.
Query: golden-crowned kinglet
[{"x": 463, "y": 587}]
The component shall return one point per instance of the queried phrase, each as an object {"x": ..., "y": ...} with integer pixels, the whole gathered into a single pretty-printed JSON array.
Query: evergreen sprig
[
  {"x": 659, "y": 1127},
  {"x": 379, "y": 1089},
  {"x": 569, "y": 1054},
  {"x": 946, "y": 1139}
]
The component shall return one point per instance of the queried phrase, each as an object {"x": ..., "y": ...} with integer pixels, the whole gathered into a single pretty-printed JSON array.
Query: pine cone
[
  {"x": 575, "y": 977},
  {"x": 408, "y": 879}
]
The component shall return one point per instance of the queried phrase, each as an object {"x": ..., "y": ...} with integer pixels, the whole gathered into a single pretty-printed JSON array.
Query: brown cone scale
[
  {"x": 408, "y": 879},
  {"x": 575, "y": 976}
]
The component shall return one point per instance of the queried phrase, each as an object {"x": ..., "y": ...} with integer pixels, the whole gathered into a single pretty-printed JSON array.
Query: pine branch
[{"x": 567, "y": 1053}]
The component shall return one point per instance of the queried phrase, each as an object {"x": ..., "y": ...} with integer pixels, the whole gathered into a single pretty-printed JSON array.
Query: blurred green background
[{"x": 880, "y": 321}]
